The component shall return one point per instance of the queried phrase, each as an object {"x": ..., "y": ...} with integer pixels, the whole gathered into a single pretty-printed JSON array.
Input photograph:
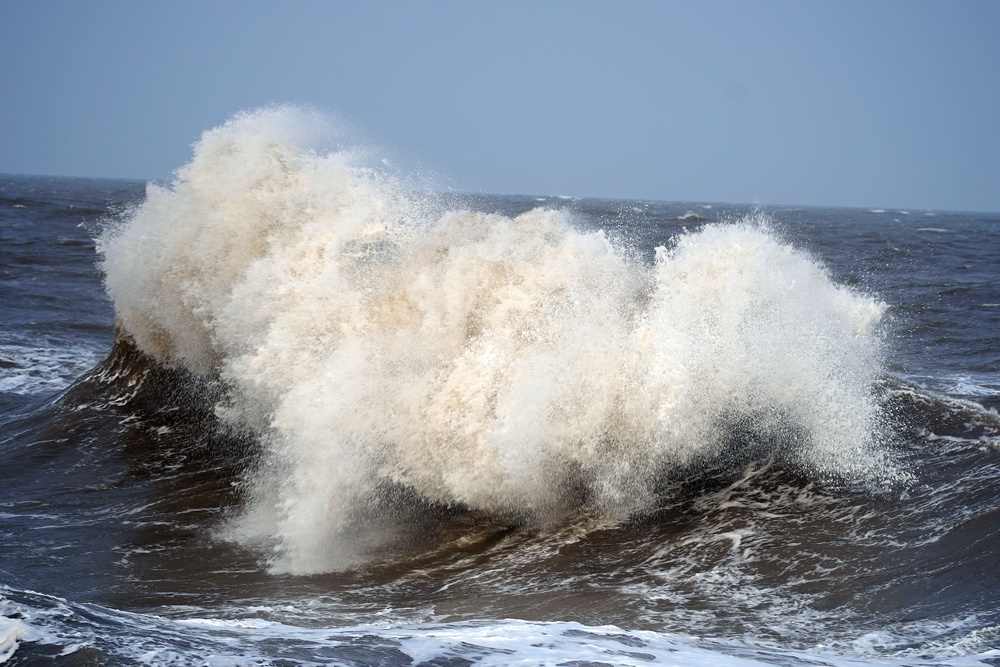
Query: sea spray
[
  {"x": 515, "y": 366},
  {"x": 744, "y": 326}
]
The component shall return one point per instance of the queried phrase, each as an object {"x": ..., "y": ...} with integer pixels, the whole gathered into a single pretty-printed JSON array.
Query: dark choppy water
[{"x": 363, "y": 430}]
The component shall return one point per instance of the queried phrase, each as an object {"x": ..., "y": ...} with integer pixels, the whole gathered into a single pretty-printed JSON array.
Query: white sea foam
[
  {"x": 27, "y": 368},
  {"x": 52, "y": 627},
  {"x": 505, "y": 365},
  {"x": 12, "y": 633}
]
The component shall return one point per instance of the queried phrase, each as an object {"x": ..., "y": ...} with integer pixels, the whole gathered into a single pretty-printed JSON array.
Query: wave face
[{"x": 379, "y": 343}]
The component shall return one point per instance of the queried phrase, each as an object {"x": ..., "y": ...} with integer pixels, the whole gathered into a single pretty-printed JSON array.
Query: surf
[{"x": 372, "y": 338}]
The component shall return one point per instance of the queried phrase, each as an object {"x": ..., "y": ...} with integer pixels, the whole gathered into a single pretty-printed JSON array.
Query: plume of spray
[{"x": 371, "y": 339}]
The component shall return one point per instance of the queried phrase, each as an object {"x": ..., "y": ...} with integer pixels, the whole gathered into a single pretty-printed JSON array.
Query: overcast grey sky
[{"x": 877, "y": 103}]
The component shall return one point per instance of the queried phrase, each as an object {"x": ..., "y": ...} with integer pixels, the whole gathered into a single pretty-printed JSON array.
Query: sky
[{"x": 887, "y": 103}]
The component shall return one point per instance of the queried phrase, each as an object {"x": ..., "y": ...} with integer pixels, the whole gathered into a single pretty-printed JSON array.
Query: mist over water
[{"x": 379, "y": 343}]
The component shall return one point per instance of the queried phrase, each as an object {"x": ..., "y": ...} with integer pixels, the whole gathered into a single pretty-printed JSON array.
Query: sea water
[{"x": 291, "y": 408}]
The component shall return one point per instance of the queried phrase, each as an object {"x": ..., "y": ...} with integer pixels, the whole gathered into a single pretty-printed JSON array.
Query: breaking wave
[{"x": 374, "y": 341}]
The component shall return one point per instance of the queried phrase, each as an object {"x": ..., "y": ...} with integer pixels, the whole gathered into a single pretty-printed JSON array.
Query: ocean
[{"x": 293, "y": 408}]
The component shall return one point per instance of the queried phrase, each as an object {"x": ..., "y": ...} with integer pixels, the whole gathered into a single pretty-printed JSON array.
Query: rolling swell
[
  {"x": 118, "y": 482},
  {"x": 525, "y": 368}
]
